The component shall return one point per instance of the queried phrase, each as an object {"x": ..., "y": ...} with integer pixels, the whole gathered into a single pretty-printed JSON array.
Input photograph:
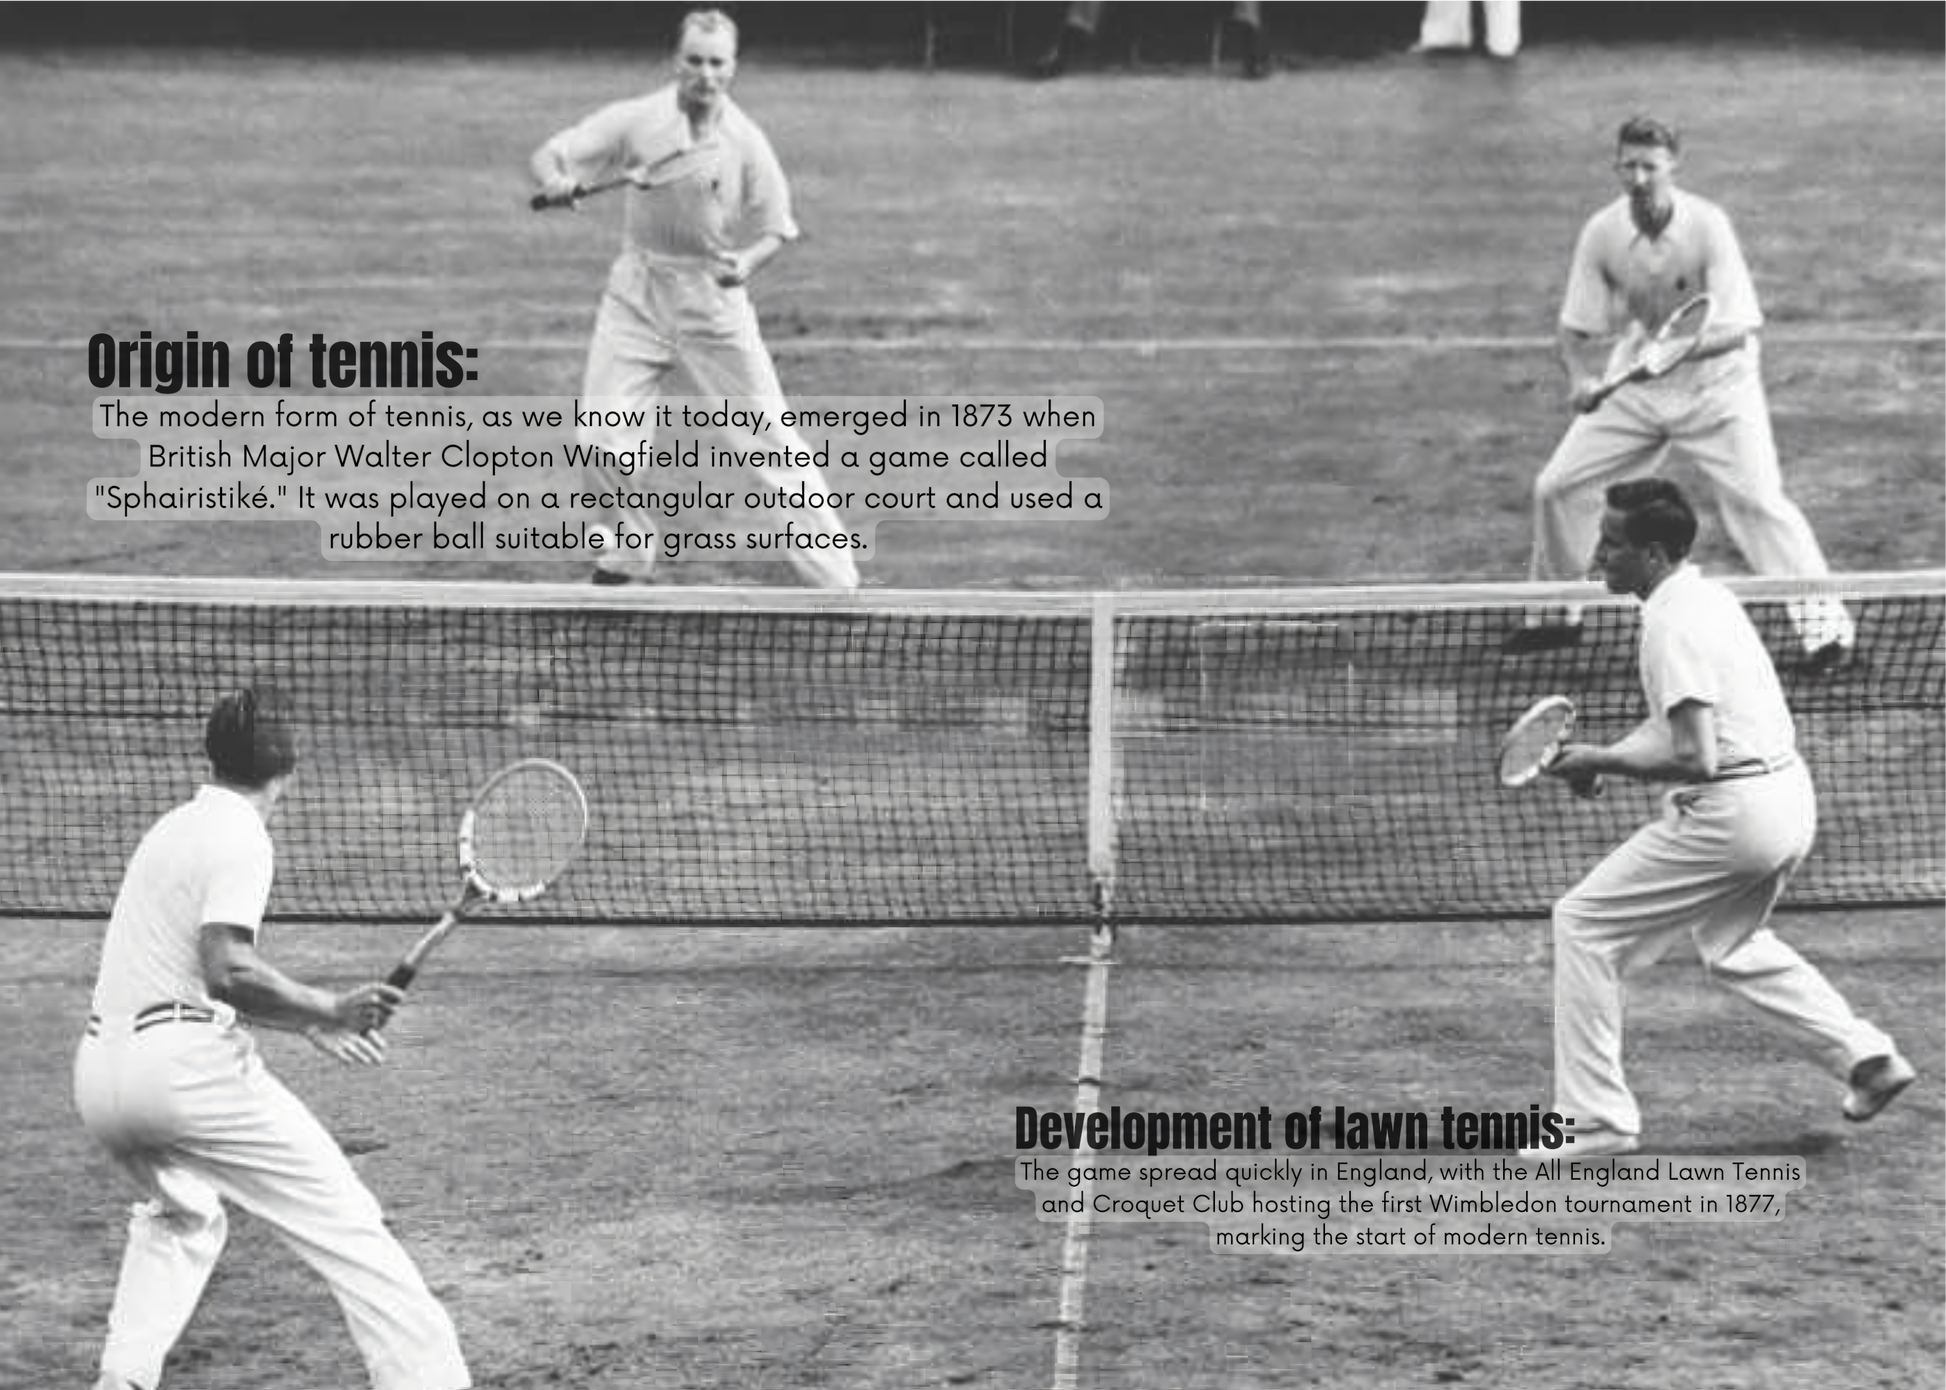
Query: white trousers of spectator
[
  {"x": 657, "y": 315},
  {"x": 1449, "y": 24},
  {"x": 1711, "y": 867},
  {"x": 1725, "y": 432},
  {"x": 191, "y": 1113}
]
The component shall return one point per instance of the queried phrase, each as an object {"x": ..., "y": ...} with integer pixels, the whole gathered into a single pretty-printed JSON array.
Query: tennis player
[
  {"x": 677, "y": 295},
  {"x": 168, "y": 1079},
  {"x": 1737, "y": 823},
  {"x": 1636, "y": 260}
]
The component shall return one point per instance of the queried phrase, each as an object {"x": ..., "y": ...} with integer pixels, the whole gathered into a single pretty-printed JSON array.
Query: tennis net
[{"x": 889, "y": 758}]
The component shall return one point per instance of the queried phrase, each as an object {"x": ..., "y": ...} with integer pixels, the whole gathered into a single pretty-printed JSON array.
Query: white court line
[
  {"x": 1153, "y": 347},
  {"x": 1146, "y": 347},
  {"x": 1087, "y": 1100},
  {"x": 1094, "y": 1014}
]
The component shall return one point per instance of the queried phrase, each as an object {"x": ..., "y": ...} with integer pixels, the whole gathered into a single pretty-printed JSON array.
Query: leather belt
[
  {"x": 1754, "y": 767},
  {"x": 154, "y": 1014}
]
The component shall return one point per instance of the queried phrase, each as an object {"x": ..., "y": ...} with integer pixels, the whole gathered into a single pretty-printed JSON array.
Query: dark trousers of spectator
[{"x": 1084, "y": 22}]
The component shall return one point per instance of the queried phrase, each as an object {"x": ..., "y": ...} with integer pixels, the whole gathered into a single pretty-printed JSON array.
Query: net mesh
[{"x": 784, "y": 758}]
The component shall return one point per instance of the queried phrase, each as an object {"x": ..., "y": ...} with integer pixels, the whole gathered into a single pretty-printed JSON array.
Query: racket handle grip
[{"x": 402, "y": 975}]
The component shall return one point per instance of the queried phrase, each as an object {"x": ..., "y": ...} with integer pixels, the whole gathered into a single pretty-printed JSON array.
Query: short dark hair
[
  {"x": 1655, "y": 512},
  {"x": 1647, "y": 130},
  {"x": 249, "y": 738}
]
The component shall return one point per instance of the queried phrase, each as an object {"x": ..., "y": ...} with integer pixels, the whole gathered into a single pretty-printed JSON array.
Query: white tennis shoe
[
  {"x": 1875, "y": 1084},
  {"x": 1589, "y": 1143}
]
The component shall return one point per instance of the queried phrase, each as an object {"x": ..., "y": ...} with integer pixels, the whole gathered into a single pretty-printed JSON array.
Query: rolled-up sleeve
[
  {"x": 1730, "y": 285},
  {"x": 1588, "y": 305},
  {"x": 766, "y": 194},
  {"x": 597, "y": 148}
]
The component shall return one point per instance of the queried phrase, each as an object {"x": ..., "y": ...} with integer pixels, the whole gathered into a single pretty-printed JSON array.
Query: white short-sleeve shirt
[
  {"x": 208, "y": 860},
  {"x": 1698, "y": 644},
  {"x": 1622, "y": 281}
]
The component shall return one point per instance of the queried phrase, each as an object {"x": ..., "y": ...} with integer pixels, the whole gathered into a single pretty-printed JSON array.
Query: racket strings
[
  {"x": 526, "y": 829},
  {"x": 1528, "y": 750},
  {"x": 1678, "y": 337},
  {"x": 1659, "y": 356},
  {"x": 1533, "y": 742}
]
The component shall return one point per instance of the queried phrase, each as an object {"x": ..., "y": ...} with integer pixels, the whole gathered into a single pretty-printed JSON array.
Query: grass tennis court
[{"x": 779, "y": 1158}]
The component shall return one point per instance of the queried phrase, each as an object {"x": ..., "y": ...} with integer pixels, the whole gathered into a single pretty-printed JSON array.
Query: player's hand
[
  {"x": 1590, "y": 786},
  {"x": 1586, "y": 394},
  {"x": 731, "y": 269},
  {"x": 346, "y": 1045},
  {"x": 368, "y": 1008},
  {"x": 561, "y": 192},
  {"x": 1575, "y": 765}
]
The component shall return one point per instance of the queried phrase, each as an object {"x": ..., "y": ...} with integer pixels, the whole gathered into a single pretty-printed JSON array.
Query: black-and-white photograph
[{"x": 1102, "y": 696}]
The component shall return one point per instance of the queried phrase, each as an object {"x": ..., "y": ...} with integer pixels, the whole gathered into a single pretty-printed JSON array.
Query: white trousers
[
  {"x": 1711, "y": 867},
  {"x": 190, "y": 1112},
  {"x": 1449, "y": 24},
  {"x": 1725, "y": 431},
  {"x": 659, "y": 315}
]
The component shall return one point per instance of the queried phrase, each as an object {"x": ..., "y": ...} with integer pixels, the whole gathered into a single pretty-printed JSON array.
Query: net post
[{"x": 1101, "y": 764}]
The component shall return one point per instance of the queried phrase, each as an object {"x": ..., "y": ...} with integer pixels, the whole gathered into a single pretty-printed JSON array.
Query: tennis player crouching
[
  {"x": 167, "y": 1078},
  {"x": 1735, "y": 828},
  {"x": 1636, "y": 259}
]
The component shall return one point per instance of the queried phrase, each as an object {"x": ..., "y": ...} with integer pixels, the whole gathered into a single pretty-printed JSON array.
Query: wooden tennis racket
[
  {"x": 1533, "y": 741},
  {"x": 670, "y": 168},
  {"x": 520, "y": 833},
  {"x": 1672, "y": 345}
]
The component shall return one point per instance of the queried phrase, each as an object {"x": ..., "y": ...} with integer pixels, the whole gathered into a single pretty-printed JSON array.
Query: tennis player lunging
[
  {"x": 1636, "y": 260},
  {"x": 1737, "y": 824},
  {"x": 168, "y": 1079},
  {"x": 676, "y": 295}
]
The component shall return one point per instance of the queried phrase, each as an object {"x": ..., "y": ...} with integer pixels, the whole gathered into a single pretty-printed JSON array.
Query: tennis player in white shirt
[
  {"x": 678, "y": 296},
  {"x": 168, "y": 1079},
  {"x": 1636, "y": 260},
  {"x": 1736, "y": 825}
]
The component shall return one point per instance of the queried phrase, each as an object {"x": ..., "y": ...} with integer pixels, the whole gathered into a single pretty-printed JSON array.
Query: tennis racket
[
  {"x": 523, "y": 828},
  {"x": 1672, "y": 345},
  {"x": 1534, "y": 740},
  {"x": 670, "y": 168}
]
